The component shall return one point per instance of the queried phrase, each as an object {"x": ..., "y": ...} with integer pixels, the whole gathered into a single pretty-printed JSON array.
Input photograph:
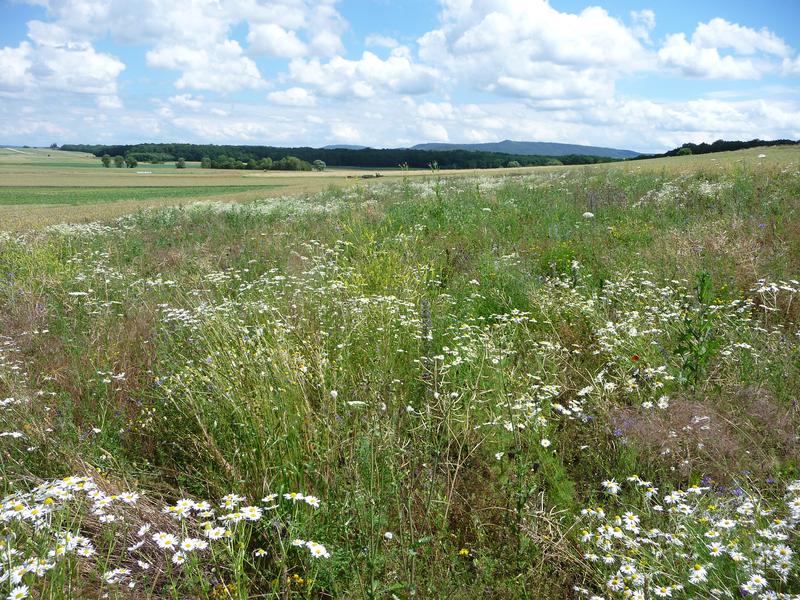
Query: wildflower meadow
[{"x": 566, "y": 384}]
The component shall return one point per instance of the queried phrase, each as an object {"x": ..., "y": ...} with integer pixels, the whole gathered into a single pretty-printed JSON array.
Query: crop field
[
  {"x": 533, "y": 384},
  {"x": 40, "y": 187}
]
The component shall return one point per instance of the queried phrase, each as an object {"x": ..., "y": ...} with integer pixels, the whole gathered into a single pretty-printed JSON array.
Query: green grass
[
  {"x": 89, "y": 195},
  {"x": 457, "y": 362}
]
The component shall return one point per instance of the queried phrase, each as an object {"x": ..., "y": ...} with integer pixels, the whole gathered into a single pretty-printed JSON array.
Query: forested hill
[
  {"x": 532, "y": 148},
  {"x": 344, "y": 157},
  {"x": 719, "y": 146}
]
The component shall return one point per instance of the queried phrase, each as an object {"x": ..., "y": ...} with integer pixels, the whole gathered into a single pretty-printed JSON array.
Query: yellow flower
[
  {"x": 224, "y": 590},
  {"x": 464, "y": 552}
]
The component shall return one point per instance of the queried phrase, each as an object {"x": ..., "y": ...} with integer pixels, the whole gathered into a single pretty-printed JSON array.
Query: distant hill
[
  {"x": 720, "y": 146},
  {"x": 344, "y": 147},
  {"x": 531, "y": 148}
]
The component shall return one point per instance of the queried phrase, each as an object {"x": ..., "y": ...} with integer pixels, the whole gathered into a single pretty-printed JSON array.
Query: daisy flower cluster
[
  {"x": 45, "y": 525},
  {"x": 643, "y": 543}
]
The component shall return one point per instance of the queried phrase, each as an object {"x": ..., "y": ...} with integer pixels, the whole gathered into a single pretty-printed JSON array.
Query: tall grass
[{"x": 442, "y": 372}]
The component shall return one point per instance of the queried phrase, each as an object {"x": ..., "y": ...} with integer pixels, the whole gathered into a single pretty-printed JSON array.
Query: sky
[{"x": 643, "y": 75}]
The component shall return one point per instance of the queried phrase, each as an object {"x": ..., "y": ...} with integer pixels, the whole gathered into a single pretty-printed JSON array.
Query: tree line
[
  {"x": 718, "y": 146},
  {"x": 236, "y": 157}
]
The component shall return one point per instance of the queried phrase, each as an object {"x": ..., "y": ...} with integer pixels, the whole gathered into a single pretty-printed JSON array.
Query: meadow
[{"x": 538, "y": 383}]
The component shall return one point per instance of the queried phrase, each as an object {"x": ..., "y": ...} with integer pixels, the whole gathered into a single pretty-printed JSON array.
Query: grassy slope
[{"x": 443, "y": 313}]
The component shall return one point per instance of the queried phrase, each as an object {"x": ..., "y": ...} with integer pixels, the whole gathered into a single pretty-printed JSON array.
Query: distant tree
[
  {"x": 265, "y": 164},
  {"x": 132, "y": 162},
  {"x": 512, "y": 164},
  {"x": 180, "y": 163},
  {"x": 319, "y": 165},
  {"x": 205, "y": 162},
  {"x": 119, "y": 162},
  {"x": 106, "y": 160},
  {"x": 684, "y": 151},
  {"x": 53, "y": 146},
  {"x": 222, "y": 162},
  {"x": 292, "y": 163},
  {"x": 252, "y": 165}
]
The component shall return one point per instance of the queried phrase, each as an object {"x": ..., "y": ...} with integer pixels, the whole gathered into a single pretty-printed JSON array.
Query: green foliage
[
  {"x": 180, "y": 163},
  {"x": 236, "y": 157},
  {"x": 106, "y": 160},
  {"x": 119, "y": 161},
  {"x": 697, "y": 342},
  {"x": 452, "y": 366}
]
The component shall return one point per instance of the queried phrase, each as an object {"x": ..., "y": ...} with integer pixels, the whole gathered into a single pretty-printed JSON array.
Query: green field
[
  {"x": 90, "y": 195},
  {"x": 530, "y": 384}
]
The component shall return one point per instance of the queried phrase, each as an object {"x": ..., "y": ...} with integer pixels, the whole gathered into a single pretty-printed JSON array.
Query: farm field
[
  {"x": 40, "y": 186},
  {"x": 538, "y": 383}
]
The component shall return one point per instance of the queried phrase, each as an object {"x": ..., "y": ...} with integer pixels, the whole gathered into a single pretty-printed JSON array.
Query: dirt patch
[{"x": 748, "y": 434}]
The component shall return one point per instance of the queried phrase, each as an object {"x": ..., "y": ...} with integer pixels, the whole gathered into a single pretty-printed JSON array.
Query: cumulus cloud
[
  {"x": 791, "y": 66},
  {"x": 186, "y": 101},
  {"x": 346, "y": 133},
  {"x": 541, "y": 73},
  {"x": 691, "y": 60},
  {"x": 110, "y": 102},
  {"x": 219, "y": 67},
  {"x": 434, "y": 132},
  {"x": 644, "y": 21},
  {"x": 73, "y": 67},
  {"x": 381, "y": 41},
  {"x": 367, "y": 76},
  {"x": 295, "y": 96},
  {"x": 719, "y": 33},
  {"x": 750, "y": 57},
  {"x": 15, "y": 64},
  {"x": 528, "y": 48},
  {"x": 197, "y": 39},
  {"x": 274, "y": 40}
]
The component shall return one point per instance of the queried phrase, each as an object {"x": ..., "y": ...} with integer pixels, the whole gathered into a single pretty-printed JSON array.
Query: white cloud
[
  {"x": 367, "y": 76},
  {"x": 791, "y": 66},
  {"x": 434, "y": 132},
  {"x": 692, "y": 60},
  {"x": 528, "y": 48},
  {"x": 221, "y": 67},
  {"x": 326, "y": 27},
  {"x": 326, "y": 43},
  {"x": 555, "y": 82},
  {"x": 109, "y": 102},
  {"x": 295, "y": 96},
  {"x": 644, "y": 21},
  {"x": 751, "y": 56},
  {"x": 436, "y": 110},
  {"x": 186, "y": 101},
  {"x": 345, "y": 133},
  {"x": 719, "y": 33},
  {"x": 544, "y": 74},
  {"x": 272, "y": 39},
  {"x": 72, "y": 67},
  {"x": 381, "y": 41},
  {"x": 14, "y": 67},
  {"x": 196, "y": 39}
]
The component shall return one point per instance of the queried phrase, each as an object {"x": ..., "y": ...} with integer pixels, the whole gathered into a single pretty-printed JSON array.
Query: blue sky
[{"x": 646, "y": 75}]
